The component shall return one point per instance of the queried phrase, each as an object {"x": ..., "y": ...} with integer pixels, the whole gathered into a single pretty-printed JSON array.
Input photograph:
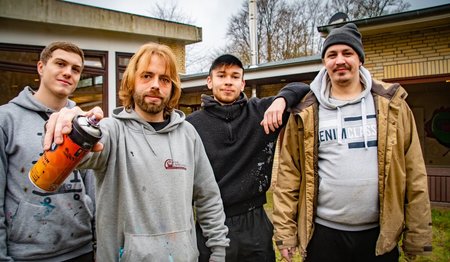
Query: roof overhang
[
  {"x": 292, "y": 70},
  {"x": 68, "y": 14}
]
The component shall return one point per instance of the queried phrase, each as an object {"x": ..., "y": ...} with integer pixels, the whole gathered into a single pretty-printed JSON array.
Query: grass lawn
[{"x": 441, "y": 234}]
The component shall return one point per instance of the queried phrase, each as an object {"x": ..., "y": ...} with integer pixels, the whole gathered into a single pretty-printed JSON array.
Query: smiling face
[
  {"x": 152, "y": 90},
  {"x": 61, "y": 73},
  {"x": 342, "y": 64},
  {"x": 226, "y": 83}
]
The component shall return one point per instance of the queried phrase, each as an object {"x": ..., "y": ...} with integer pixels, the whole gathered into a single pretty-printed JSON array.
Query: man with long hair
[{"x": 150, "y": 168}]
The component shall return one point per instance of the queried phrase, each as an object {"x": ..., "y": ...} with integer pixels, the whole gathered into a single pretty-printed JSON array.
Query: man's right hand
[
  {"x": 60, "y": 123},
  {"x": 288, "y": 253}
]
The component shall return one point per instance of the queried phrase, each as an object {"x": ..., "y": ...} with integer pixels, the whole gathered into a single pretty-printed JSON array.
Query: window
[
  {"x": 18, "y": 69},
  {"x": 122, "y": 60}
]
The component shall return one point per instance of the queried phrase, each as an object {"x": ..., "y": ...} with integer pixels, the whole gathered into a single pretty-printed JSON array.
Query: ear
[
  {"x": 243, "y": 85},
  {"x": 40, "y": 68},
  {"x": 209, "y": 82}
]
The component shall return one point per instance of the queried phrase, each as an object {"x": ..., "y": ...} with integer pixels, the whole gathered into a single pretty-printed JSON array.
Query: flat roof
[{"x": 90, "y": 17}]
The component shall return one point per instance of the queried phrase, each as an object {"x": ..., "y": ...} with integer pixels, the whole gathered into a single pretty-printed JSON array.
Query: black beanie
[{"x": 349, "y": 35}]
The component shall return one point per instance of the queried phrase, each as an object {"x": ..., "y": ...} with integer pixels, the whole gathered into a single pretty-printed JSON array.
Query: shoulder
[
  {"x": 309, "y": 101},
  {"x": 10, "y": 112},
  {"x": 388, "y": 90},
  {"x": 187, "y": 127},
  {"x": 196, "y": 117}
]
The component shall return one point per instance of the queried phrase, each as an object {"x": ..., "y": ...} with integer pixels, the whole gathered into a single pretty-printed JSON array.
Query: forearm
[{"x": 293, "y": 93}]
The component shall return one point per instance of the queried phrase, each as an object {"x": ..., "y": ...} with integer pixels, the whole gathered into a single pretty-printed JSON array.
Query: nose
[
  {"x": 67, "y": 71},
  {"x": 340, "y": 59},
  {"x": 228, "y": 80},
  {"x": 154, "y": 83}
]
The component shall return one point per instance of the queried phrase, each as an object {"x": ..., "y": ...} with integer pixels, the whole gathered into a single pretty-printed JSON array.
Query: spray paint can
[{"x": 56, "y": 164}]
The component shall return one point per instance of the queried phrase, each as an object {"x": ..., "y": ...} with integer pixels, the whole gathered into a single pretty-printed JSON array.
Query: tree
[
  {"x": 288, "y": 28},
  {"x": 357, "y": 9},
  {"x": 283, "y": 31},
  {"x": 168, "y": 10},
  {"x": 197, "y": 59}
]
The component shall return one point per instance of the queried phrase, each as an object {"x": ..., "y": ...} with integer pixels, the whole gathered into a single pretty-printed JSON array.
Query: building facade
[
  {"x": 109, "y": 39},
  {"x": 411, "y": 48}
]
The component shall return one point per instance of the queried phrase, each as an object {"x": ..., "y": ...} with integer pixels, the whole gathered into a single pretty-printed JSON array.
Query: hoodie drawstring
[
  {"x": 364, "y": 121},
  {"x": 339, "y": 125},
  {"x": 146, "y": 139}
]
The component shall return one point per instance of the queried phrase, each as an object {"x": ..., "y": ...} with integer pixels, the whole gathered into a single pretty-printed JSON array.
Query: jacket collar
[{"x": 225, "y": 112}]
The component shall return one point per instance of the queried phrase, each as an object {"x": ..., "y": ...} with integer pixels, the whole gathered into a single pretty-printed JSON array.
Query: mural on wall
[{"x": 438, "y": 127}]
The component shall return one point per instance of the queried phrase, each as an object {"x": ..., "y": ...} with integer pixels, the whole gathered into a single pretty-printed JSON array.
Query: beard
[{"x": 150, "y": 108}]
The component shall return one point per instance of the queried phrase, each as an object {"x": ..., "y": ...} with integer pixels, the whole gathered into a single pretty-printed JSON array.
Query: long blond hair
[{"x": 145, "y": 53}]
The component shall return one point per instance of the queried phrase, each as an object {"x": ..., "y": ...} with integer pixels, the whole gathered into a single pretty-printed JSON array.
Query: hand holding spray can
[{"x": 56, "y": 164}]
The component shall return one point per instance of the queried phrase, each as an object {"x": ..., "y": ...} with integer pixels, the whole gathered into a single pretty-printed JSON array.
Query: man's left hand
[{"x": 273, "y": 117}]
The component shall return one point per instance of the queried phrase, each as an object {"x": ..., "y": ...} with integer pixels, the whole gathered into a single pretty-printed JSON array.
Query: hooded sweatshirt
[
  {"x": 34, "y": 224},
  {"x": 239, "y": 150},
  {"x": 147, "y": 181},
  {"x": 348, "y": 166}
]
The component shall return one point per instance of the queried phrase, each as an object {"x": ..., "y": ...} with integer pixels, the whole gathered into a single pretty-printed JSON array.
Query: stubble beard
[{"x": 149, "y": 107}]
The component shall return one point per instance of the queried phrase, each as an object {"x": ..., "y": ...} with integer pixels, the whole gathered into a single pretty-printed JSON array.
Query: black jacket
[{"x": 240, "y": 153}]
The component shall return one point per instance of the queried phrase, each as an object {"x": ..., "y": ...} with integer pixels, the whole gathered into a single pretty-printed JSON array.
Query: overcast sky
[{"x": 211, "y": 15}]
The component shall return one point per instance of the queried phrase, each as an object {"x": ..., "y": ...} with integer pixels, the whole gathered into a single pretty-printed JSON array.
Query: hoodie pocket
[
  {"x": 177, "y": 246},
  {"x": 36, "y": 229}
]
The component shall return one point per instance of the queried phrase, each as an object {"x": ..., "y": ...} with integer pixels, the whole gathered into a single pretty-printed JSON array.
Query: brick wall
[
  {"x": 180, "y": 54},
  {"x": 408, "y": 54}
]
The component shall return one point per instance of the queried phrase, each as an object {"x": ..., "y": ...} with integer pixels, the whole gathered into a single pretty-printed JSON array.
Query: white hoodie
[{"x": 348, "y": 166}]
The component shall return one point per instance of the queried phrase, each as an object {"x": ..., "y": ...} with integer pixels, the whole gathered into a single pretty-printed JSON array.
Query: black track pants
[
  {"x": 333, "y": 245},
  {"x": 250, "y": 237}
]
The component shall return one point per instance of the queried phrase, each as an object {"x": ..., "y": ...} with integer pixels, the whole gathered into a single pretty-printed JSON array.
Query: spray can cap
[{"x": 92, "y": 120}]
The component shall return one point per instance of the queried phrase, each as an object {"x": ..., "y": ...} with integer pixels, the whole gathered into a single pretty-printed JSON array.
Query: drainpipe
[{"x": 253, "y": 20}]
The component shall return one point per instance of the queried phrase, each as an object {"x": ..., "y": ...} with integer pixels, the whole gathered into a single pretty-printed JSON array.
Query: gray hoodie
[
  {"x": 34, "y": 224},
  {"x": 348, "y": 166},
  {"x": 147, "y": 181}
]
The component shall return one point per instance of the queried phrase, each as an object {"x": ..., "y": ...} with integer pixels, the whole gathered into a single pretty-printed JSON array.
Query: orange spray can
[{"x": 56, "y": 164}]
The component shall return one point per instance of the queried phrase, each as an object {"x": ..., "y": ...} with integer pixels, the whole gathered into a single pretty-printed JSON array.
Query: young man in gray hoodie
[
  {"x": 36, "y": 225},
  {"x": 352, "y": 180},
  {"x": 151, "y": 168}
]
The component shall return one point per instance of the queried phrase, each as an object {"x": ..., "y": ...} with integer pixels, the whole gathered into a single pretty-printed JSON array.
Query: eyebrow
[
  {"x": 57, "y": 59},
  {"x": 152, "y": 73},
  {"x": 224, "y": 71}
]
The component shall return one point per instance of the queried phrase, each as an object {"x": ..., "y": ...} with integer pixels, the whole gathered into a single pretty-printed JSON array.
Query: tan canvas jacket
[{"x": 403, "y": 191}]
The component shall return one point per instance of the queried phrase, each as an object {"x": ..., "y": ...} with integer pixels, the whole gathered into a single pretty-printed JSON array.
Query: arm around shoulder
[{"x": 293, "y": 93}]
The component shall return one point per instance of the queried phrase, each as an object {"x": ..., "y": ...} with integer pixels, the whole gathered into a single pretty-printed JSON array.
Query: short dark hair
[
  {"x": 46, "y": 54},
  {"x": 226, "y": 60}
]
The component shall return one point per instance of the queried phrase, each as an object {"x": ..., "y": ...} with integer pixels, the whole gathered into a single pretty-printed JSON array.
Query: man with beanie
[{"x": 352, "y": 181}]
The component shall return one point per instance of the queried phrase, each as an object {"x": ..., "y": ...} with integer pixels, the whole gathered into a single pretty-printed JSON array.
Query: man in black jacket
[{"x": 241, "y": 154}]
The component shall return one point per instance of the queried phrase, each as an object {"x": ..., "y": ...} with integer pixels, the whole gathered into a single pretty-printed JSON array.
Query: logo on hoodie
[{"x": 170, "y": 164}]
